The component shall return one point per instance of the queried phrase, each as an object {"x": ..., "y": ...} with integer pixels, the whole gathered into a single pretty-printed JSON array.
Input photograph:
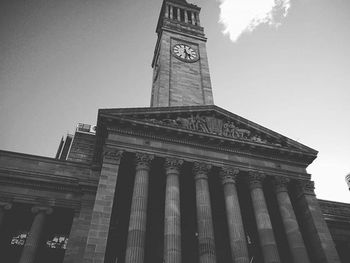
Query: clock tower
[{"x": 180, "y": 65}]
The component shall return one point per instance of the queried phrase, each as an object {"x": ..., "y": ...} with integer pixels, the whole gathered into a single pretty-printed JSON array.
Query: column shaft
[
  {"x": 238, "y": 241},
  {"x": 295, "y": 240},
  {"x": 193, "y": 18},
  {"x": 166, "y": 11},
  {"x": 264, "y": 226},
  {"x": 172, "y": 221},
  {"x": 35, "y": 234},
  {"x": 3, "y": 206},
  {"x": 171, "y": 12},
  {"x": 138, "y": 215},
  {"x": 316, "y": 232},
  {"x": 206, "y": 240}
]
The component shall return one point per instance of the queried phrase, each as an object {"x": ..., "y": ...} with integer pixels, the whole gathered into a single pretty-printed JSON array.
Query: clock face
[{"x": 185, "y": 53}]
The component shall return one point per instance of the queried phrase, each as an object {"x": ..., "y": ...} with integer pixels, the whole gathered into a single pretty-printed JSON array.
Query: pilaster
[{"x": 102, "y": 211}]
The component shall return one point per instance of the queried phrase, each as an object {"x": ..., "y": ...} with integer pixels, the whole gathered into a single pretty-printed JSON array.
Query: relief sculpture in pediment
[{"x": 213, "y": 125}]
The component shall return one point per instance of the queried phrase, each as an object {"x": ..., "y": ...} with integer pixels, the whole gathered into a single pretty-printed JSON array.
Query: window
[
  {"x": 19, "y": 239},
  {"x": 58, "y": 242}
]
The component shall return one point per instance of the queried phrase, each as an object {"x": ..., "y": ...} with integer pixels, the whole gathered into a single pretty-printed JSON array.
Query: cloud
[{"x": 241, "y": 16}]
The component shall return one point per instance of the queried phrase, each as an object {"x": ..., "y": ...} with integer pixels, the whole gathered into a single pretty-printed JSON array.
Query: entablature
[{"x": 207, "y": 128}]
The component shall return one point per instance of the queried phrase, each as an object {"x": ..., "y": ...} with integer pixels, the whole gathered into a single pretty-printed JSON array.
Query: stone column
[
  {"x": 3, "y": 206},
  {"x": 264, "y": 226},
  {"x": 294, "y": 237},
  {"x": 193, "y": 18},
  {"x": 166, "y": 11},
  {"x": 171, "y": 12},
  {"x": 172, "y": 222},
  {"x": 206, "y": 241},
  {"x": 316, "y": 232},
  {"x": 197, "y": 19},
  {"x": 238, "y": 241},
  {"x": 178, "y": 14},
  {"x": 96, "y": 243},
  {"x": 135, "y": 249},
  {"x": 186, "y": 16},
  {"x": 35, "y": 234}
]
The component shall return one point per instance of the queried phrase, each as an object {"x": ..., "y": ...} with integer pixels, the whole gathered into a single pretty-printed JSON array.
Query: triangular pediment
[{"x": 210, "y": 121}]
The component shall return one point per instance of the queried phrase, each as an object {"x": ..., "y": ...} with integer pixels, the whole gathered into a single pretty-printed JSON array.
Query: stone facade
[
  {"x": 185, "y": 182},
  {"x": 176, "y": 83}
]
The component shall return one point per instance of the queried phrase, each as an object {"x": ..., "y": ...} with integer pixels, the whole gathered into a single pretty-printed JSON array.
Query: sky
[{"x": 285, "y": 66}]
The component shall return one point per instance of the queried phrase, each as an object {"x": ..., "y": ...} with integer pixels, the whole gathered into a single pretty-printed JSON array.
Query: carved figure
[
  {"x": 226, "y": 130},
  {"x": 214, "y": 126},
  {"x": 201, "y": 124},
  {"x": 242, "y": 133}
]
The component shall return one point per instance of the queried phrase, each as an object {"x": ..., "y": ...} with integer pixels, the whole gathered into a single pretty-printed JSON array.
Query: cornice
[
  {"x": 203, "y": 109},
  {"x": 186, "y": 141},
  {"x": 46, "y": 181},
  {"x": 335, "y": 211},
  {"x": 217, "y": 162},
  {"x": 19, "y": 197},
  {"x": 43, "y": 158}
]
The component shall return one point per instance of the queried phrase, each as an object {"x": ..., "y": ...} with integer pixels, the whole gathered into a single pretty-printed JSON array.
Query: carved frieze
[{"x": 216, "y": 126}]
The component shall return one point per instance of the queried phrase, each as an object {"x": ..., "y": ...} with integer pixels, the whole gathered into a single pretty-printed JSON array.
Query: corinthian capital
[
  {"x": 307, "y": 187},
  {"x": 37, "y": 209},
  {"x": 201, "y": 170},
  {"x": 5, "y": 205},
  {"x": 173, "y": 165},
  {"x": 280, "y": 184},
  {"x": 229, "y": 175},
  {"x": 112, "y": 155},
  {"x": 255, "y": 179},
  {"x": 143, "y": 160}
]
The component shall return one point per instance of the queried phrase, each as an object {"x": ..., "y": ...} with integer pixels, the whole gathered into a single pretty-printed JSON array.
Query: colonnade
[
  {"x": 34, "y": 237},
  {"x": 182, "y": 15},
  {"x": 206, "y": 242}
]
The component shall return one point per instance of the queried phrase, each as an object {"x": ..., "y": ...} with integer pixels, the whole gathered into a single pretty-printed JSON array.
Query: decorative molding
[
  {"x": 19, "y": 197},
  {"x": 228, "y": 175},
  {"x": 143, "y": 161},
  {"x": 293, "y": 158},
  {"x": 307, "y": 187},
  {"x": 255, "y": 179},
  {"x": 38, "y": 209},
  {"x": 201, "y": 170},
  {"x": 39, "y": 180},
  {"x": 5, "y": 205},
  {"x": 280, "y": 184},
  {"x": 112, "y": 155},
  {"x": 216, "y": 126},
  {"x": 173, "y": 165}
]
